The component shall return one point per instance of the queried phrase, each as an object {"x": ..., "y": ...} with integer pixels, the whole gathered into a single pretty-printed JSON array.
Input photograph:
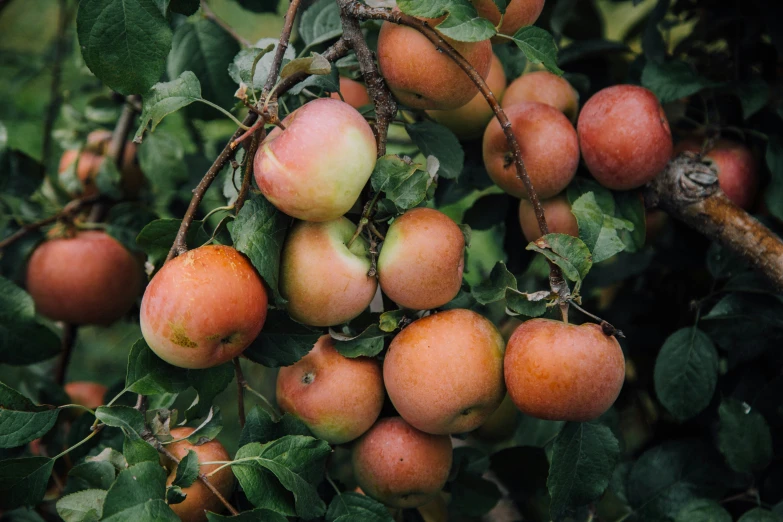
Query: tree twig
[
  {"x": 55, "y": 97},
  {"x": 71, "y": 208},
  {"x": 241, "y": 383},
  {"x": 122, "y": 130},
  {"x": 282, "y": 45},
  {"x": 688, "y": 190},
  {"x": 210, "y": 15},
  {"x": 68, "y": 341},
  {"x": 247, "y": 177}
]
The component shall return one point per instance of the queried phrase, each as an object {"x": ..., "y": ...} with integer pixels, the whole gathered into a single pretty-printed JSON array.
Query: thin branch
[
  {"x": 55, "y": 97},
  {"x": 282, "y": 45},
  {"x": 250, "y": 155},
  {"x": 122, "y": 130},
  {"x": 68, "y": 341},
  {"x": 339, "y": 49},
  {"x": 688, "y": 190},
  {"x": 209, "y": 14},
  {"x": 241, "y": 383},
  {"x": 71, "y": 208}
]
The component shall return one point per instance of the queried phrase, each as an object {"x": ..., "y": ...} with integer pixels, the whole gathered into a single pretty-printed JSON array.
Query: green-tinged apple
[
  {"x": 203, "y": 308},
  {"x": 544, "y": 87},
  {"x": 559, "y": 218}
]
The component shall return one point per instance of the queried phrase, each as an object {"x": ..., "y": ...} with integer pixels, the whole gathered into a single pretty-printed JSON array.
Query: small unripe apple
[
  {"x": 338, "y": 398},
  {"x": 316, "y": 168},
  {"x": 399, "y": 465},
  {"x": 624, "y": 136},
  {"x": 550, "y": 150},
  {"x": 199, "y": 499},
  {"x": 519, "y": 13},
  {"x": 736, "y": 166},
  {"x": 444, "y": 372},
  {"x": 422, "y": 77},
  {"x": 86, "y": 393},
  {"x": 203, "y": 308},
  {"x": 557, "y": 212},
  {"x": 421, "y": 260},
  {"x": 544, "y": 87},
  {"x": 89, "y": 278},
  {"x": 559, "y": 371},
  {"x": 324, "y": 280},
  {"x": 354, "y": 93},
  {"x": 470, "y": 120}
]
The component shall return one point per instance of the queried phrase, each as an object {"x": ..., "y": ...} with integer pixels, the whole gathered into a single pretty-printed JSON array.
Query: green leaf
[
  {"x": 148, "y": 374},
  {"x": 583, "y": 458},
  {"x": 390, "y": 321},
  {"x": 368, "y": 343},
  {"x": 124, "y": 42},
  {"x": 84, "y": 506},
  {"x": 486, "y": 212},
  {"x": 185, "y": 7},
  {"x": 773, "y": 196},
  {"x": 208, "y": 383},
  {"x": 282, "y": 342},
  {"x": 135, "y": 486},
  {"x": 630, "y": 207},
  {"x": 320, "y": 22},
  {"x": 598, "y": 230},
  {"x": 187, "y": 470},
  {"x": 472, "y": 495},
  {"x": 404, "y": 183},
  {"x": 137, "y": 450},
  {"x": 92, "y": 475},
  {"x": 108, "y": 181},
  {"x": 703, "y": 510},
  {"x": 354, "y": 507},
  {"x": 254, "y": 515},
  {"x": 686, "y": 372},
  {"x": 538, "y": 46},
  {"x": 671, "y": 81},
  {"x": 21, "y": 421},
  {"x": 205, "y": 49},
  {"x": 22, "y": 339},
  {"x": 295, "y": 462},
  {"x": 165, "y": 98},
  {"x": 753, "y": 96},
  {"x": 528, "y": 304},
  {"x": 314, "y": 64},
  {"x": 129, "y": 419},
  {"x": 262, "y": 54},
  {"x": 744, "y": 437},
  {"x": 462, "y": 23},
  {"x": 175, "y": 495},
  {"x": 156, "y": 510},
  {"x": 569, "y": 253},
  {"x": 258, "y": 232},
  {"x": 261, "y": 427},
  {"x": 23, "y": 481},
  {"x": 760, "y": 515},
  {"x": 158, "y": 236},
  {"x": 434, "y": 139},
  {"x": 494, "y": 287}
]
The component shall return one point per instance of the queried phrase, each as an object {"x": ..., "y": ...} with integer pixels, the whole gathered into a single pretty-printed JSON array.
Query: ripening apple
[
  {"x": 736, "y": 166},
  {"x": 354, "y": 93},
  {"x": 203, "y": 308},
  {"x": 470, "y": 120},
  {"x": 422, "y": 77},
  {"x": 444, "y": 372},
  {"x": 86, "y": 393},
  {"x": 559, "y": 371},
  {"x": 89, "y": 161},
  {"x": 624, "y": 136},
  {"x": 544, "y": 87},
  {"x": 519, "y": 13},
  {"x": 399, "y": 465},
  {"x": 549, "y": 145},
  {"x": 557, "y": 212},
  {"x": 199, "y": 499},
  {"x": 421, "y": 260},
  {"x": 324, "y": 280},
  {"x": 337, "y": 397},
  {"x": 89, "y": 278},
  {"x": 315, "y": 169}
]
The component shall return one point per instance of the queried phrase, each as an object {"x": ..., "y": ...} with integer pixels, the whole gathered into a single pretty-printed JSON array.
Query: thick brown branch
[
  {"x": 688, "y": 190},
  {"x": 54, "y": 90},
  {"x": 209, "y": 14},
  {"x": 385, "y": 106},
  {"x": 282, "y": 45}
]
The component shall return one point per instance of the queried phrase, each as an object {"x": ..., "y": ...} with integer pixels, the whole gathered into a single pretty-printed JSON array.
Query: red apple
[
  {"x": 544, "y": 87},
  {"x": 354, "y": 93},
  {"x": 559, "y": 218}
]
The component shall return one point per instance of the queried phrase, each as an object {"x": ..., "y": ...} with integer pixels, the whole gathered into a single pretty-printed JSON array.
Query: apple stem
[{"x": 607, "y": 327}]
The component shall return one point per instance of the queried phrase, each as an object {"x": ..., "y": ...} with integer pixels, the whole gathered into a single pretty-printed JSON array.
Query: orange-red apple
[
  {"x": 550, "y": 150},
  {"x": 354, "y": 93},
  {"x": 316, "y": 168},
  {"x": 559, "y": 218},
  {"x": 203, "y": 308},
  {"x": 86, "y": 393},
  {"x": 559, "y": 371},
  {"x": 336, "y": 397},
  {"x": 470, "y": 120},
  {"x": 624, "y": 136},
  {"x": 421, "y": 260},
  {"x": 736, "y": 166},
  {"x": 519, "y": 13},
  {"x": 324, "y": 280},
  {"x": 199, "y": 499},
  {"x": 422, "y": 77},
  {"x": 444, "y": 372},
  {"x": 544, "y": 87},
  {"x": 399, "y": 465},
  {"x": 89, "y": 278}
]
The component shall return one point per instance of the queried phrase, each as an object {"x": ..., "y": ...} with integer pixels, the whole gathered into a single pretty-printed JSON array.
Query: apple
[
  {"x": 624, "y": 136},
  {"x": 421, "y": 260},
  {"x": 559, "y": 371},
  {"x": 549, "y": 145},
  {"x": 203, "y": 308},
  {"x": 89, "y": 278},
  {"x": 470, "y": 120},
  {"x": 544, "y": 87},
  {"x": 86, "y": 393},
  {"x": 316, "y": 168},
  {"x": 444, "y": 372},
  {"x": 325, "y": 281},
  {"x": 519, "y": 13},
  {"x": 399, "y": 465},
  {"x": 338, "y": 398},
  {"x": 422, "y": 77},
  {"x": 354, "y": 93},
  {"x": 559, "y": 218}
]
